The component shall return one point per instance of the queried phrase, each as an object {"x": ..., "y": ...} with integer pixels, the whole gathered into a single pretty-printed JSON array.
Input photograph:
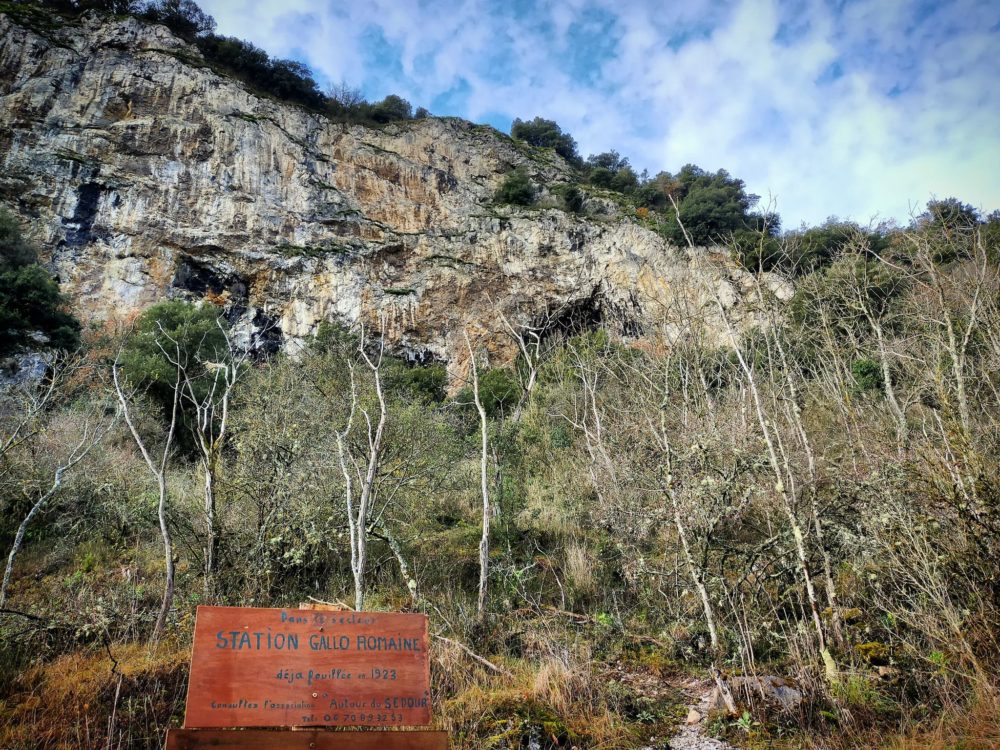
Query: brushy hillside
[
  {"x": 818, "y": 504},
  {"x": 627, "y": 516}
]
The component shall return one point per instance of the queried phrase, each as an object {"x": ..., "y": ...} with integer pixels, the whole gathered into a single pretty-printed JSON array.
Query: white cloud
[{"x": 742, "y": 86}]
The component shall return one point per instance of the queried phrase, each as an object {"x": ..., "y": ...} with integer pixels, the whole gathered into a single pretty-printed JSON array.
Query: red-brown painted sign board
[
  {"x": 288, "y": 667},
  {"x": 263, "y": 739}
]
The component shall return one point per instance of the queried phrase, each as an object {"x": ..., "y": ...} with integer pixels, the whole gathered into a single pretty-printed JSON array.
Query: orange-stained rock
[{"x": 146, "y": 176}]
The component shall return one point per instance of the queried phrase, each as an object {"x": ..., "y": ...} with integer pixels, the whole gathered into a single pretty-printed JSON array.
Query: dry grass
[
  {"x": 975, "y": 728},
  {"x": 974, "y": 725},
  {"x": 123, "y": 696},
  {"x": 579, "y": 568},
  {"x": 548, "y": 702}
]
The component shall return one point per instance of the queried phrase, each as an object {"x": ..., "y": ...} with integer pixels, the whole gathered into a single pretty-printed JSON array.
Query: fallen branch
[
  {"x": 485, "y": 662},
  {"x": 724, "y": 692},
  {"x": 22, "y": 614}
]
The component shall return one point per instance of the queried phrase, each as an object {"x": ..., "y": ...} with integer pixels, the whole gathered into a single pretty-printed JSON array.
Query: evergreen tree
[
  {"x": 544, "y": 133},
  {"x": 31, "y": 306}
]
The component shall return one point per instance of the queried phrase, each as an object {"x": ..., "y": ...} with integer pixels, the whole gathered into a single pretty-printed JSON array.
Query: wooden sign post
[
  {"x": 253, "y": 667},
  {"x": 289, "y": 667}
]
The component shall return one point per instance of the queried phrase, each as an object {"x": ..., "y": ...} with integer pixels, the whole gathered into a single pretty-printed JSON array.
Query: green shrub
[
  {"x": 332, "y": 338},
  {"x": 867, "y": 374},
  {"x": 190, "y": 334},
  {"x": 758, "y": 250},
  {"x": 423, "y": 383},
  {"x": 499, "y": 392},
  {"x": 543, "y": 133},
  {"x": 287, "y": 80},
  {"x": 713, "y": 206},
  {"x": 516, "y": 190},
  {"x": 814, "y": 248},
  {"x": 183, "y": 17},
  {"x": 391, "y": 108},
  {"x": 949, "y": 227},
  {"x": 611, "y": 171},
  {"x": 572, "y": 197},
  {"x": 949, "y": 214},
  {"x": 842, "y": 292},
  {"x": 30, "y": 300}
]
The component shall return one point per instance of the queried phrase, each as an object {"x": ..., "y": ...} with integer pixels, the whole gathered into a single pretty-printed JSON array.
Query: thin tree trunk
[
  {"x": 793, "y": 522},
  {"x": 484, "y": 541},
  {"x": 211, "y": 541},
  {"x": 364, "y": 504},
  {"x": 88, "y": 440},
  {"x": 357, "y": 521},
  {"x": 796, "y": 418},
  {"x": 342, "y": 456},
  {"x": 168, "y": 553},
  {"x": 19, "y": 536},
  {"x": 404, "y": 568},
  {"x": 890, "y": 390},
  {"x": 211, "y": 437},
  {"x": 699, "y": 584},
  {"x": 160, "y": 473},
  {"x": 79, "y": 452}
]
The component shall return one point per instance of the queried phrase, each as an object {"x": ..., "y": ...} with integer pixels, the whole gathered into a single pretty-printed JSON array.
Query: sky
[{"x": 862, "y": 109}]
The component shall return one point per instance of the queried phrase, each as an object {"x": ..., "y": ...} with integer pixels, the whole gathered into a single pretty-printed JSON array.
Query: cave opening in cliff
[
  {"x": 585, "y": 315},
  {"x": 572, "y": 318}
]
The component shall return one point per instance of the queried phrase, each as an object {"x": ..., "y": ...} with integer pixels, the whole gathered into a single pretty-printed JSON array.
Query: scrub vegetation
[
  {"x": 807, "y": 516},
  {"x": 587, "y": 530}
]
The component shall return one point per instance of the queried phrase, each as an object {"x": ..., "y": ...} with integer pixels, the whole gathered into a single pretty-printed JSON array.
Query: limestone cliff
[{"x": 147, "y": 175}]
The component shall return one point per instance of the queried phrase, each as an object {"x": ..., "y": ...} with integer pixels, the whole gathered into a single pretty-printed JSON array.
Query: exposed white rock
[{"x": 149, "y": 176}]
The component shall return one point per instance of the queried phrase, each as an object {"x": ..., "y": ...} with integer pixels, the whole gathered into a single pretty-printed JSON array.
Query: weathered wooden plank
[
  {"x": 255, "y": 667},
  {"x": 289, "y": 739}
]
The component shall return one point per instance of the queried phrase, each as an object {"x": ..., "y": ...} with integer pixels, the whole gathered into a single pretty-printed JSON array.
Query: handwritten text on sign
[{"x": 287, "y": 667}]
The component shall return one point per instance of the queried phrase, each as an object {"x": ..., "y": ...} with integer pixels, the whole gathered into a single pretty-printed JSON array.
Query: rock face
[{"x": 146, "y": 175}]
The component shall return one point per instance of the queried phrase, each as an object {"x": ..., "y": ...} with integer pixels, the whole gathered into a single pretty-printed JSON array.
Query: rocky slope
[{"x": 147, "y": 175}]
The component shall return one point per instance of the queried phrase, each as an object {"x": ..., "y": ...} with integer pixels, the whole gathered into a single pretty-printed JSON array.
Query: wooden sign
[
  {"x": 263, "y": 739},
  {"x": 288, "y": 667}
]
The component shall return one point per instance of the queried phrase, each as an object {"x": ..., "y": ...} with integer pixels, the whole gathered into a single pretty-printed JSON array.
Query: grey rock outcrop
[{"x": 147, "y": 175}]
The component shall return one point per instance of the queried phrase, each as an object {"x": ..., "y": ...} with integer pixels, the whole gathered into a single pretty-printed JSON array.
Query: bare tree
[
  {"x": 629, "y": 414},
  {"x": 534, "y": 342},
  {"x": 23, "y": 405},
  {"x": 784, "y": 484},
  {"x": 95, "y": 427},
  {"x": 345, "y": 95},
  {"x": 959, "y": 326},
  {"x": 207, "y": 387},
  {"x": 694, "y": 570},
  {"x": 875, "y": 310},
  {"x": 784, "y": 477},
  {"x": 792, "y": 410},
  {"x": 158, "y": 468},
  {"x": 360, "y": 472},
  {"x": 484, "y": 541}
]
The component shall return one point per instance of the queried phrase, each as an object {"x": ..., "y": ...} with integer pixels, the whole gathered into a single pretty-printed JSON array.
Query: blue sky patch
[
  {"x": 849, "y": 107},
  {"x": 452, "y": 100},
  {"x": 833, "y": 72}
]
